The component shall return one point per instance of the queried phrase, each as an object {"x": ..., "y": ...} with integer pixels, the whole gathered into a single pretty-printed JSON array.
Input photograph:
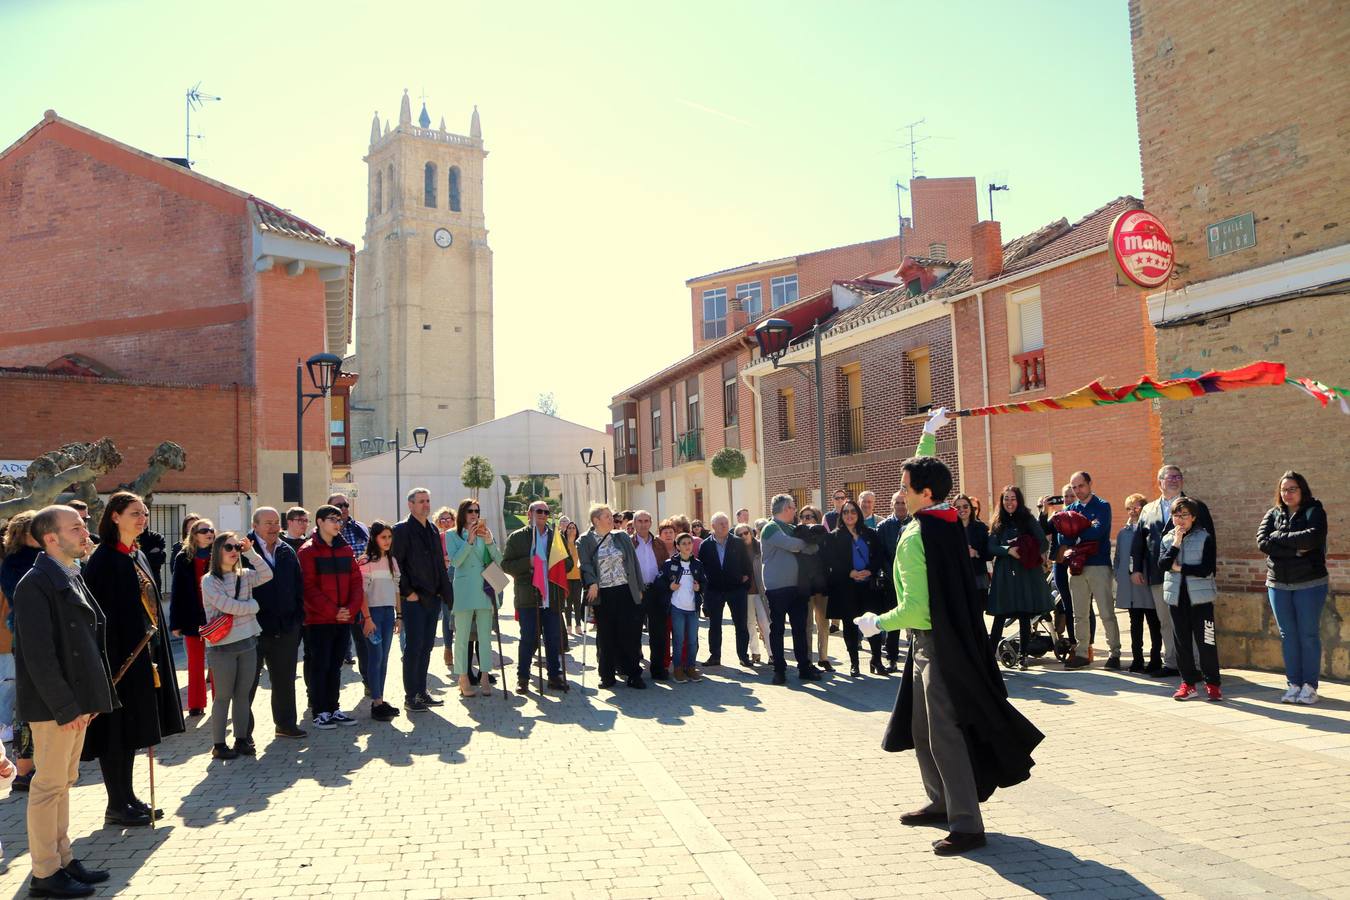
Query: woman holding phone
[{"x": 472, "y": 549}]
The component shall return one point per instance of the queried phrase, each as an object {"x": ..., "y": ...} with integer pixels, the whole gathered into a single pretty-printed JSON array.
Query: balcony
[
  {"x": 689, "y": 447},
  {"x": 1029, "y": 370},
  {"x": 626, "y": 465},
  {"x": 848, "y": 431}
]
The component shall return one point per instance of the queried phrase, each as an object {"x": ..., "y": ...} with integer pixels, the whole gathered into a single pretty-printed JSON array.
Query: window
[
  {"x": 393, "y": 186},
  {"x": 1027, "y": 319},
  {"x": 714, "y": 313},
  {"x": 914, "y": 288},
  {"x": 855, "y": 489},
  {"x": 1026, "y": 341},
  {"x": 923, "y": 379},
  {"x": 752, "y": 298},
  {"x": 656, "y": 424},
  {"x": 729, "y": 394},
  {"x": 379, "y": 192},
  {"x": 799, "y": 496},
  {"x": 454, "y": 189},
  {"x": 429, "y": 186},
  {"x": 784, "y": 289},
  {"x": 787, "y": 414},
  {"x": 692, "y": 421},
  {"x": 1035, "y": 476}
]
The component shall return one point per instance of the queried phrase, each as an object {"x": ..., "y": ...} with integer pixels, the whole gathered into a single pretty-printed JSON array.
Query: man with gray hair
[
  {"x": 281, "y": 613},
  {"x": 726, "y": 563},
  {"x": 778, "y": 550}
]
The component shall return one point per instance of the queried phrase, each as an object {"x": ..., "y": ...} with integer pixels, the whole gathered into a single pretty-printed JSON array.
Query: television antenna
[
  {"x": 193, "y": 99},
  {"x": 994, "y": 187}
]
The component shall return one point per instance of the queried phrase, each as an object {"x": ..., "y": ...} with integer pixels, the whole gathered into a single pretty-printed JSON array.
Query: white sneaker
[
  {"x": 1307, "y": 696},
  {"x": 1291, "y": 695},
  {"x": 342, "y": 718},
  {"x": 324, "y": 722}
]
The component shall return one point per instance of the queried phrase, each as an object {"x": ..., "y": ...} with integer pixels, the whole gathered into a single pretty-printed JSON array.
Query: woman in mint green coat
[{"x": 471, "y": 549}]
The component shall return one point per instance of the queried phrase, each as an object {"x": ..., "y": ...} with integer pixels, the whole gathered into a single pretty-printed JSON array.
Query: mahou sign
[{"x": 1142, "y": 248}]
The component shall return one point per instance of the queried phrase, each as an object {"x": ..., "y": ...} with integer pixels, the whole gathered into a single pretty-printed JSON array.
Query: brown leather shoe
[
  {"x": 959, "y": 842},
  {"x": 1077, "y": 662},
  {"x": 924, "y": 816}
]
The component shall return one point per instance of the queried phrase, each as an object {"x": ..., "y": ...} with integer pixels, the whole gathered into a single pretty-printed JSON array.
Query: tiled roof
[
  {"x": 1057, "y": 240},
  {"x": 279, "y": 221},
  {"x": 787, "y": 259},
  {"x": 929, "y": 262}
]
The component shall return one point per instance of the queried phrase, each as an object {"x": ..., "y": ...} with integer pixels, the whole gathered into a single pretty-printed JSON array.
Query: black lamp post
[
  {"x": 587, "y": 454},
  {"x": 774, "y": 336},
  {"x": 400, "y": 453},
  {"x": 324, "y": 369}
]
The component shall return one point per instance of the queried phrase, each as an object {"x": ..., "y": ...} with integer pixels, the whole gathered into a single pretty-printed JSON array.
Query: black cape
[
  {"x": 148, "y": 714},
  {"x": 1000, "y": 739}
]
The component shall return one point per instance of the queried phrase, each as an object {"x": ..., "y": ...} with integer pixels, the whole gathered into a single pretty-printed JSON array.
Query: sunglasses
[
  {"x": 204, "y": 531},
  {"x": 541, "y": 512},
  {"x": 808, "y": 518},
  {"x": 331, "y": 519},
  {"x": 342, "y": 505},
  {"x": 473, "y": 509},
  {"x": 231, "y": 548}
]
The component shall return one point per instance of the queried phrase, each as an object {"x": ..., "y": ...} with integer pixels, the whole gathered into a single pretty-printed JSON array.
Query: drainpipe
[
  {"x": 754, "y": 386},
  {"x": 984, "y": 376}
]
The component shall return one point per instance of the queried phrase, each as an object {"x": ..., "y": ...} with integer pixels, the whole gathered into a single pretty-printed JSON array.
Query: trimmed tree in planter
[
  {"x": 729, "y": 463},
  {"x": 476, "y": 474}
]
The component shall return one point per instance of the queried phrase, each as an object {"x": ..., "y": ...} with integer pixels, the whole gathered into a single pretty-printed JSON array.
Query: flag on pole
[{"x": 557, "y": 560}]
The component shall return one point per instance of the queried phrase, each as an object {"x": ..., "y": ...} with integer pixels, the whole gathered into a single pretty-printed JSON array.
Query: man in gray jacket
[{"x": 779, "y": 548}]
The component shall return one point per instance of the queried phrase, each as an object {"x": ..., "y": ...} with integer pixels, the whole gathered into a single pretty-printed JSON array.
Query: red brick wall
[
  {"x": 213, "y": 424},
  {"x": 888, "y": 396},
  {"x": 1093, "y": 328},
  {"x": 290, "y": 325},
  {"x": 817, "y": 271},
  {"x": 944, "y": 210},
  {"x": 118, "y": 258}
]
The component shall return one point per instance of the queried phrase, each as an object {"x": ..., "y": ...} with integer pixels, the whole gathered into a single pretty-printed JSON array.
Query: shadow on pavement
[{"x": 1048, "y": 871}]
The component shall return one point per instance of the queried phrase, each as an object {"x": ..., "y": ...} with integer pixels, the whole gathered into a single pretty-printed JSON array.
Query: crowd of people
[{"x": 84, "y": 635}]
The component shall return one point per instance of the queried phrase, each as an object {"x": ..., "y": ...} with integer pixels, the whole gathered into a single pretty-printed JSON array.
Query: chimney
[
  {"x": 737, "y": 317},
  {"x": 986, "y": 251},
  {"x": 937, "y": 250}
]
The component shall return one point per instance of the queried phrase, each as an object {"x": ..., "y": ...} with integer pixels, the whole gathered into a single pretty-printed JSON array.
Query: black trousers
[
  {"x": 790, "y": 604},
  {"x": 618, "y": 633},
  {"x": 325, "y": 649},
  {"x": 656, "y": 614},
  {"x": 713, "y": 601},
  {"x": 116, "y": 763},
  {"x": 1195, "y": 622},
  {"x": 1023, "y": 630},
  {"x": 278, "y": 651},
  {"x": 420, "y": 620},
  {"x": 1137, "y": 619}
]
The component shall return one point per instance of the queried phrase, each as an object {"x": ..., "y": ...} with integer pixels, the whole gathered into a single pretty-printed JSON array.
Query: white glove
[
  {"x": 867, "y": 624},
  {"x": 936, "y": 419}
]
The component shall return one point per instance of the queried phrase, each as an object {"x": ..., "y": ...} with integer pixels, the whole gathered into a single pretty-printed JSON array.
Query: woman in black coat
[
  {"x": 852, "y": 554},
  {"x": 119, "y": 577},
  {"x": 977, "y": 537}
]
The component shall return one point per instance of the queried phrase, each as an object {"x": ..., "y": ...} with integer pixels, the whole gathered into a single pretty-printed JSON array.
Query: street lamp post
[
  {"x": 400, "y": 453},
  {"x": 773, "y": 336},
  {"x": 587, "y": 454},
  {"x": 324, "y": 369}
]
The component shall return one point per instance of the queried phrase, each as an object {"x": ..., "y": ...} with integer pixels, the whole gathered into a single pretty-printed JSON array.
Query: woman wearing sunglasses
[
  {"x": 186, "y": 616},
  {"x": 227, "y": 589},
  {"x": 472, "y": 549}
]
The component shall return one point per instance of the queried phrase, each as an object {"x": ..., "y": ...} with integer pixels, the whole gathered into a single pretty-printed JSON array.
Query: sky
[{"x": 632, "y": 145}]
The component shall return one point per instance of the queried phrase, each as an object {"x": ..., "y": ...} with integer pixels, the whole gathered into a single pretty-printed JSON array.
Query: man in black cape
[{"x": 953, "y": 708}]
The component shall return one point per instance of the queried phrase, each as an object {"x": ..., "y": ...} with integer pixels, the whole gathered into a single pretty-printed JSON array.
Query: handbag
[
  {"x": 218, "y": 629},
  {"x": 495, "y": 577}
]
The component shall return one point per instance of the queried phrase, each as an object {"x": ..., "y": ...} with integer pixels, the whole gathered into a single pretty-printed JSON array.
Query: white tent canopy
[{"x": 524, "y": 443}]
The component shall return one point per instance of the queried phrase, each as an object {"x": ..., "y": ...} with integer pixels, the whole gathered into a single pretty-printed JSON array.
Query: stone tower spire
[
  {"x": 475, "y": 126},
  {"x": 442, "y": 123},
  {"x": 405, "y": 110},
  {"x": 375, "y": 128},
  {"x": 425, "y": 118}
]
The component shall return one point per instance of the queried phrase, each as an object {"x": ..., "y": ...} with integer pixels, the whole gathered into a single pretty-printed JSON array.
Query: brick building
[
  {"x": 1256, "y": 199},
  {"x": 668, "y": 426},
  {"x": 189, "y": 303},
  {"x": 943, "y": 338}
]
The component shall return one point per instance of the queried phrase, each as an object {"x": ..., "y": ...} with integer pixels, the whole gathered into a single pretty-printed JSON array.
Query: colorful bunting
[{"x": 1257, "y": 374}]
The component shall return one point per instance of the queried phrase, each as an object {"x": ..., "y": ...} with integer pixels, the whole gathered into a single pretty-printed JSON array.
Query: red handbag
[{"x": 218, "y": 629}]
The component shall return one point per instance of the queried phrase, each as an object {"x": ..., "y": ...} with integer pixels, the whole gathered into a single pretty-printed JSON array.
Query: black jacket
[
  {"x": 1148, "y": 537},
  {"x": 186, "y": 614},
  {"x": 60, "y": 657},
  {"x": 152, "y": 545},
  {"x": 671, "y": 570},
  {"x": 281, "y": 601},
  {"x": 728, "y": 576},
  {"x": 849, "y": 598},
  {"x": 999, "y": 739},
  {"x": 811, "y": 576},
  {"x": 420, "y": 554},
  {"x": 1295, "y": 546},
  {"x": 149, "y": 713},
  {"x": 977, "y": 538}
]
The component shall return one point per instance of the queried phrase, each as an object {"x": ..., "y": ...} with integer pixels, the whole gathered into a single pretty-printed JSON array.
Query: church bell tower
[{"x": 423, "y": 282}]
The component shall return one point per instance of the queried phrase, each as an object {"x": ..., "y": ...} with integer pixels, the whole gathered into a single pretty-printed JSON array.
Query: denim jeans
[
  {"x": 377, "y": 655},
  {"x": 7, "y": 688},
  {"x": 684, "y": 632},
  {"x": 1297, "y": 613},
  {"x": 419, "y": 621}
]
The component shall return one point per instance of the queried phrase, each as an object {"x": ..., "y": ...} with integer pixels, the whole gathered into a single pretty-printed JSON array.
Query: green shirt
[{"x": 911, "y": 570}]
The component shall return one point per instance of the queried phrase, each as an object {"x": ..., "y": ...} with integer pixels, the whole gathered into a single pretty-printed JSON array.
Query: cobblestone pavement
[{"x": 735, "y": 788}]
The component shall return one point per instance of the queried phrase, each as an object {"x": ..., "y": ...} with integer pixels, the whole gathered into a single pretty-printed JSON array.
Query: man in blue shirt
[{"x": 1095, "y": 580}]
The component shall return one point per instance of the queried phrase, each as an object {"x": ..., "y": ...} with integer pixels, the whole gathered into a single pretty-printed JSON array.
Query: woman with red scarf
[
  {"x": 119, "y": 577},
  {"x": 186, "y": 616}
]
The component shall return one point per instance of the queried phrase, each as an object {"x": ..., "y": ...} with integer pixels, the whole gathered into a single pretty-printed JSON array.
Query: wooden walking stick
[
  {"x": 150, "y": 755},
  {"x": 501, "y": 660}
]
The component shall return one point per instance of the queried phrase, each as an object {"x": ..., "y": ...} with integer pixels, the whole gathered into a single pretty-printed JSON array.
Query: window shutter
[
  {"x": 1036, "y": 479},
  {"x": 1029, "y": 315}
]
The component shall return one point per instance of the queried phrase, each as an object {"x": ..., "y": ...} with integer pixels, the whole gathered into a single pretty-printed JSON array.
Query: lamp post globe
[
  {"x": 420, "y": 436},
  {"x": 586, "y": 454},
  {"x": 773, "y": 336},
  {"x": 323, "y": 370}
]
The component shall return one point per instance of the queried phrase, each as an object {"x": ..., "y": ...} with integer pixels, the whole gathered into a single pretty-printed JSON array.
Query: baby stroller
[{"x": 1043, "y": 641}]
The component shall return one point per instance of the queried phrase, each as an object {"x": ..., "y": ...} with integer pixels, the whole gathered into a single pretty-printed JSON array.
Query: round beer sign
[{"x": 1142, "y": 248}]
